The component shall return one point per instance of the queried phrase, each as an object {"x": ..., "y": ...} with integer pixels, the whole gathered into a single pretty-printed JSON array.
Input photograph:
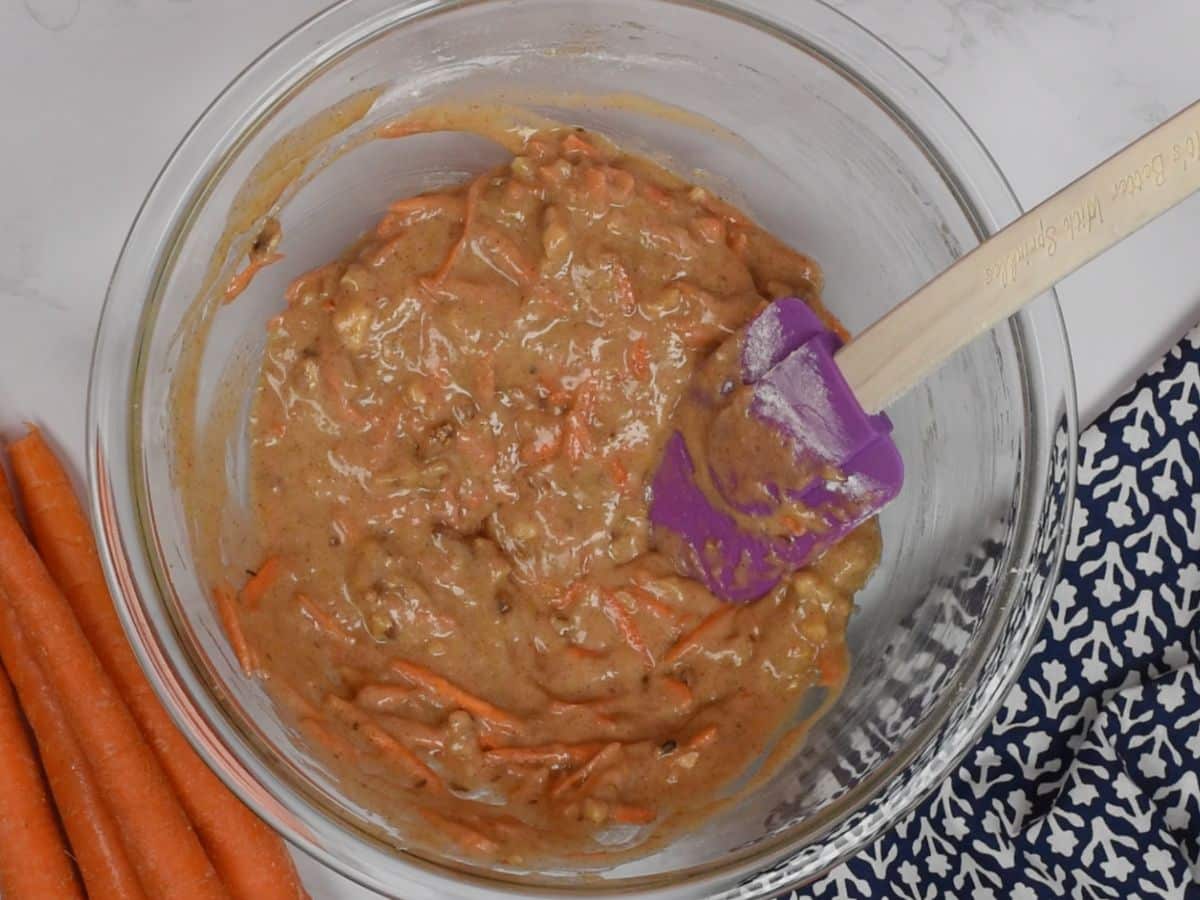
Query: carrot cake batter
[{"x": 454, "y": 431}]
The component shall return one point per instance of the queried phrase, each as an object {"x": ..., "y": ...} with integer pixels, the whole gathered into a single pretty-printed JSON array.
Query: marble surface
[{"x": 96, "y": 93}]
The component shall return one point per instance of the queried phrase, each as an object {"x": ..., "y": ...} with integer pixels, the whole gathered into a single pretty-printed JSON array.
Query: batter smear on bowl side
[{"x": 453, "y": 438}]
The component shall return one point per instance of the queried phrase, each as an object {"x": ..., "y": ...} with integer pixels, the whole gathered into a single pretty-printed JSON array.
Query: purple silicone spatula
[{"x": 822, "y": 402}]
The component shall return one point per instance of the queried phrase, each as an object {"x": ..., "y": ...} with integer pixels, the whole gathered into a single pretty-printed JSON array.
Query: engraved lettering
[
  {"x": 1152, "y": 172},
  {"x": 1044, "y": 240},
  {"x": 1158, "y": 169}
]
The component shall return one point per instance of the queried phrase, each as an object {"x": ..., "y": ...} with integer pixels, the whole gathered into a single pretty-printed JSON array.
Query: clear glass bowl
[{"x": 831, "y": 141}]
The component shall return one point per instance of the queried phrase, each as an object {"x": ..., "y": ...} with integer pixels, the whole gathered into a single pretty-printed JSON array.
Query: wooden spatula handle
[{"x": 1020, "y": 262}]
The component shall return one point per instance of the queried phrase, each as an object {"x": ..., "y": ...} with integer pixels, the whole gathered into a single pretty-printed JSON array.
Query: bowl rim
[{"x": 853, "y": 52}]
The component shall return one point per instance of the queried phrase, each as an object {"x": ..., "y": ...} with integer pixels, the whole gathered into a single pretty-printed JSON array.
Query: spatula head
[{"x": 742, "y": 524}]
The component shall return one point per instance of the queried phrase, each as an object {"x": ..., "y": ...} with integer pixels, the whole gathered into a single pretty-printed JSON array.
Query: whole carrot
[
  {"x": 6, "y": 497},
  {"x": 250, "y": 858},
  {"x": 161, "y": 844},
  {"x": 94, "y": 837},
  {"x": 33, "y": 858},
  {"x": 93, "y": 834}
]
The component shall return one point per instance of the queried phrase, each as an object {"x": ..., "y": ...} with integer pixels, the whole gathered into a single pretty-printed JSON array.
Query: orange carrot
[
  {"x": 296, "y": 288},
  {"x": 548, "y": 755},
  {"x": 410, "y": 211},
  {"x": 623, "y": 284},
  {"x": 711, "y": 623},
  {"x": 646, "y": 599},
  {"x": 384, "y": 698},
  {"x": 678, "y": 690},
  {"x": 7, "y": 501},
  {"x": 426, "y": 205},
  {"x": 386, "y": 250},
  {"x": 832, "y": 663},
  {"x": 404, "y": 127},
  {"x": 603, "y": 757},
  {"x": 701, "y": 336},
  {"x": 632, "y": 815},
  {"x": 793, "y": 524},
  {"x": 626, "y": 626},
  {"x": 570, "y": 596},
  {"x": 251, "y": 859},
  {"x": 577, "y": 439},
  {"x": 544, "y": 447},
  {"x": 555, "y": 174},
  {"x": 639, "y": 360},
  {"x": 385, "y": 744},
  {"x": 466, "y": 837},
  {"x": 33, "y": 857},
  {"x": 506, "y": 257},
  {"x": 473, "y": 193},
  {"x": 453, "y": 695},
  {"x": 390, "y": 228},
  {"x": 557, "y": 396},
  {"x": 515, "y": 194},
  {"x": 93, "y": 834},
  {"x": 162, "y": 846},
  {"x": 710, "y": 230},
  {"x": 228, "y": 614},
  {"x": 508, "y": 826},
  {"x": 585, "y": 400},
  {"x": 719, "y": 207},
  {"x": 414, "y": 733},
  {"x": 583, "y": 653},
  {"x": 335, "y": 745},
  {"x": 336, "y": 372},
  {"x": 739, "y": 243},
  {"x": 574, "y": 145},
  {"x": 261, "y": 581},
  {"x": 656, "y": 195},
  {"x": 242, "y": 279},
  {"x": 561, "y": 708},
  {"x": 323, "y": 621},
  {"x": 618, "y": 473},
  {"x": 702, "y": 738},
  {"x": 596, "y": 190}
]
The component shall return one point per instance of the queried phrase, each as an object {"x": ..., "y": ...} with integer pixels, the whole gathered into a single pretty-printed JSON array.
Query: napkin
[{"x": 1087, "y": 784}]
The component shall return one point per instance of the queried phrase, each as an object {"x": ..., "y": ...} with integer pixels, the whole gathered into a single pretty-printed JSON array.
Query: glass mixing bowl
[{"x": 830, "y": 140}]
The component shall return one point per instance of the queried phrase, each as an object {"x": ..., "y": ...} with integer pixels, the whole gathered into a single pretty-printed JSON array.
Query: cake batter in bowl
[{"x": 827, "y": 141}]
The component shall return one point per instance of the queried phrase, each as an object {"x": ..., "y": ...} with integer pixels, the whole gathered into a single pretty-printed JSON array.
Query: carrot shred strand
[
  {"x": 453, "y": 695},
  {"x": 626, "y": 626},
  {"x": 648, "y": 600},
  {"x": 261, "y": 581},
  {"x": 227, "y": 612},
  {"x": 323, "y": 621},
  {"x": 239, "y": 282},
  {"x": 702, "y": 738},
  {"x": 473, "y": 194},
  {"x": 602, "y": 758},
  {"x": 711, "y": 623},
  {"x": 572, "y": 595},
  {"x": 463, "y": 835},
  {"x": 632, "y": 815},
  {"x": 680, "y": 691},
  {"x": 385, "y": 744}
]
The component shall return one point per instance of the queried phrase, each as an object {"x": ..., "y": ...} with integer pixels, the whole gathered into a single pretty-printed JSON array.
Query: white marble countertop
[{"x": 97, "y": 93}]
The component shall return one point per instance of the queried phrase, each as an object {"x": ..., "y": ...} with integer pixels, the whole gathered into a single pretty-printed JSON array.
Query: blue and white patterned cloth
[{"x": 1088, "y": 783}]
